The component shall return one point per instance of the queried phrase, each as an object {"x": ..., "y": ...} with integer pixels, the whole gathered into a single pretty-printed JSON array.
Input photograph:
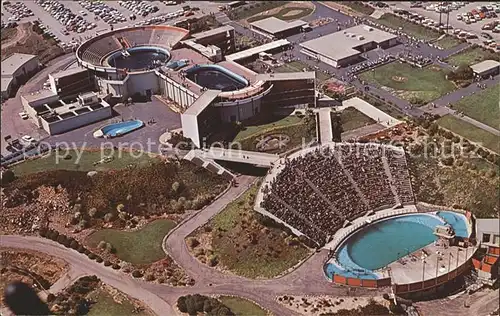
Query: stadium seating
[{"x": 317, "y": 192}]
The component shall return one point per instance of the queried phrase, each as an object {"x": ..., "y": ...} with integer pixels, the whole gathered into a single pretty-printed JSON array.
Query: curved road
[{"x": 308, "y": 278}]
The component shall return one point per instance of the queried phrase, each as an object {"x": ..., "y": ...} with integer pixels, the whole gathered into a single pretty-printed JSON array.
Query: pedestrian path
[
  {"x": 325, "y": 125},
  {"x": 370, "y": 111}
]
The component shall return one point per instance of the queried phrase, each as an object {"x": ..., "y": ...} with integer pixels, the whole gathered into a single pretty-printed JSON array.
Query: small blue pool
[
  {"x": 381, "y": 243},
  {"x": 122, "y": 128}
]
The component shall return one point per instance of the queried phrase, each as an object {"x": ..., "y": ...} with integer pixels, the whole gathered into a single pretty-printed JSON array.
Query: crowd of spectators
[
  {"x": 317, "y": 192},
  {"x": 368, "y": 64},
  {"x": 417, "y": 60}
]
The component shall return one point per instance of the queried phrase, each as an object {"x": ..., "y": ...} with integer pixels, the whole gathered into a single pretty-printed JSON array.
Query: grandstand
[{"x": 321, "y": 190}]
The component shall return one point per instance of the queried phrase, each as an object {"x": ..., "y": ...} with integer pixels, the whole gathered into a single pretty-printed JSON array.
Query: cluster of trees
[
  {"x": 194, "y": 304},
  {"x": 463, "y": 72},
  {"x": 73, "y": 301}
]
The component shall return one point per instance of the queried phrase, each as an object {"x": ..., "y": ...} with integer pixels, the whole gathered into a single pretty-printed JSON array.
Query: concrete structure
[
  {"x": 71, "y": 81},
  {"x": 488, "y": 231},
  {"x": 275, "y": 28},
  {"x": 222, "y": 37},
  {"x": 486, "y": 68},
  {"x": 56, "y": 115},
  {"x": 348, "y": 45},
  {"x": 15, "y": 70},
  {"x": 255, "y": 51}
]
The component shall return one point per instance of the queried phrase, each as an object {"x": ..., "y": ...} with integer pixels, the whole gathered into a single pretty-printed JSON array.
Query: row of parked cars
[
  {"x": 102, "y": 10},
  {"x": 141, "y": 8},
  {"x": 479, "y": 14},
  {"x": 17, "y": 9},
  {"x": 66, "y": 17}
]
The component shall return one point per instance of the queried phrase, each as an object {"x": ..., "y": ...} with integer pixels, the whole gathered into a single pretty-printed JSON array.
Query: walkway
[
  {"x": 236, "y": 155},
  {"x": 325, "y": 125},
  {"x": 370, "y": 111}
]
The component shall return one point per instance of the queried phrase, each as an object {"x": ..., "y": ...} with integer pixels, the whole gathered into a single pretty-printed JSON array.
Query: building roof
[
  {"x": 6, "y": 82},
  {"x": 39, "y": 95},
  {"x": 287, "y": 76},
  {"x": 67, "y": 72},
  {"x": 202, "y": 102},
  {"x": 14, "y": 62},
  {"x": 346, "y": 41},
  {"x": 259, "y": 49},
  {"x": 222, "y": 29},
  {"x": 484, "y": 66},
  {"x": 488, "y": 225},
  {"x": 274, "y": 25}
]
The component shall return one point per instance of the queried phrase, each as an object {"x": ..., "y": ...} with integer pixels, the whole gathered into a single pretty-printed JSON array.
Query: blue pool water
[
  {"x": 457, "y": 221},
  {"x": 216, "y": 77},
  {"x": 118, "y": 129},
  {"x": 381, "y": 243}
]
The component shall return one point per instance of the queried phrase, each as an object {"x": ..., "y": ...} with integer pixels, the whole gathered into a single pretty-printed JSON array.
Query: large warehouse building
[
  {"x": 15, "y": 70},
  {"x": 349, "y": 45}
]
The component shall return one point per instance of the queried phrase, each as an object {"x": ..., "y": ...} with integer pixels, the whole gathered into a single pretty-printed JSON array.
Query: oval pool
[
  {"x": 381, "y": 243},
  {"x": 121, "y": 128},
  {"x": 216, "y": 77}
]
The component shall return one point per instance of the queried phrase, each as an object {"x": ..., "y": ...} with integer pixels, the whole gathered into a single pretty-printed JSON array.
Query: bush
[
  {"x": 7, "y": 176},
  {"x": 98, "y": 259},
  {"x": 109, "y": 217},
  {"x": 110, "y": 248},
  {"x": 74, "y": 244},
  {"x": 83, "y": 224},
  {"x": 212, "y": 261},
  {"x": 61, "y": 239},
  {"x": 102, "y": 245},
  {"x": 93, "y": 212},
  {"x": 192, "y": 242},
  {"x": 81, "y": 249},
  {"x": 92, "y": 256},
  {"x": 150, "y": 277},
  {"x": 447, "y": 161},
  {"x": 107, "y": 263},
  {"x": 175, "y": 186},
  {"x": 116, "y": 266},
  {"x": 181, "y": 304},
  {"x": 137, "y": 274},
  {"x": 43, "y": 232}
]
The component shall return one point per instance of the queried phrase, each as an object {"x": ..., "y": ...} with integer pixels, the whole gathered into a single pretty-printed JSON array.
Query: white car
[
  {"x": 23, "y": 115},
  {"x": 28, "y": 139}
]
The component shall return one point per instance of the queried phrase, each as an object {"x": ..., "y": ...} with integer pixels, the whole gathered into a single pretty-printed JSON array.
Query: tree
[
  {"x": 337, "y": 127},
  {"x": 175, "y": 186},
  {"x": 137, "y": 274},
  {"x": 120, "y": 207},
  {"x": 83, "y": 224},
  {"x": 192, "y": 242},
  {"x": 181, "y": 304},
  {"x": 7, "y": 176},
  {"x": 74, "y": 244},
  {"x": 61, "y": 239}
]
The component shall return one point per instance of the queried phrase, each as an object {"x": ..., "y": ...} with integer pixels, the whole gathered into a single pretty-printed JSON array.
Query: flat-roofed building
[
  {"x": 486, "y": 68},
  {"x": 72, "y": 81},
  {"x": 222, "y": 37},
  {"x": 16, "y": 70},
  {"x": 275, "y": 28},
  {"x": 349, "y": 45}
]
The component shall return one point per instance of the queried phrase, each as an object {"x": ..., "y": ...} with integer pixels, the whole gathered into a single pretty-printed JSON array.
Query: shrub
[
  {"x": 137, "y": 274},
  {"x": 93, "y": 212},
  {"x": 92, "y": 256},
  {"x": 123, "y": 216},
  {"x": 175, "y": 186},
  {"x": 98, "y": 259},
  {"x": 43, "y": 232},
  {"x": 74, "y": 244},
  {"x": 50, "y": 297},
  {"x": 212, "y": 261},
  {"x": 110, "y": 248},
  {"x": 81, "y": 249},
  {"x": 61, "y": 239},
  {"x": 120, "y": 207},
  {"x": 116, "y": 266},
  {"x": 107, "y": 263},
  {"x": 102, "y": 245},
  {"x": 447, "y": 161},
  {"x": 73, "y": 221},
  {"x": 192, "y": 242},
  {"x": 150, "y": 277},
  {"x": 181, "y": 304},
  {"x": 83, "y": 224},
  {"x": 7, "y": 176},
  {"x": 53, "y": 235},
  {"x": 109, "y": 217}
]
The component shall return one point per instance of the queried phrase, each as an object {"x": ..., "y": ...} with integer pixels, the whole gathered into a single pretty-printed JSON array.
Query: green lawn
[
  {"x": 253, "y": 9},
  {"x": 471, "y": 56},
  {"x": 352, "y": 119},
  {"x": 242, "y": 307},
  {"x": 106, "y": 306},
  {"x": 358, "y": 6},
  {"x": 294, "y": 66},
  {"x": 267, "y": 256},
  {"x": 416, "y": 85},
  {"x": 139, "y": 247},
  {"x": 273, "y": 123},
  {"x": 482, "y": 106},
  {"x": 82, "y": 161},
  {"x": 415, "y": 30},
  {"x": 285, "y": 14},
  {"x": 448, "y": 42},
  {"x": 471, "y": 132}
]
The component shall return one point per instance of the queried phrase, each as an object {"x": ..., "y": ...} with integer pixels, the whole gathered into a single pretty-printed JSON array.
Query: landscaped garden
[
  {"x": 352, "y": 118},
  {"x": 246, "y": 243},
  {"x": 416, "y": 85},
  {"x": 410, "y": 28},
  {"x": 448, "y": 42},
  {"x": 482, "y": 106},
  {"x": 84, "y": 160},
  {"x": 470, "y": 132},
  {"x": 249, "y": 10},
  {"x": 142, "y": 246},
  {"x": 359, "y": 7},
  {"x": 242, "y": 307},
  {"x": 471, "y": 56},
  {"x": 277, "y": 134},
  {"x": 106, "y": 305},
  {"x": 298, "y": 66},
  {"x": 289, "y": 13}
]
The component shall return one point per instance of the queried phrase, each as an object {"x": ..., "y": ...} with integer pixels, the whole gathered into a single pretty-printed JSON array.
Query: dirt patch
[
  {"x": 34, "y": 268},
  {"x": 399, "y": 79}
]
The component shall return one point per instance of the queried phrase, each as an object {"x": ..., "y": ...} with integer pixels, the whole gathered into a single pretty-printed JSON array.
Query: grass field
[
  {"x": 352, "y": 119},
  {"x": 242, "y": 307},
  {"x": 453, "y": 186},
  {"x": 358, "y": 6},
  {"x": 448, "y": 42},
  {"x": 470, "y": 56},
  {"x": 471, "y": 132},
  {"x": 266, "y": 255},
  {"x": 106, "y": 306},
  {"x": 416, "y": 85},
  {"x": 139, "y": 247},
  {"x": 412, "y": 29},
  {"x": 286, "y": 14},
  {"x": 253, "y": 9},
  {"x": 81, "y": 161},
  {"x": 294, "y": 66},
  {"x": 275, "y": 122},
  {"x": 482, "y": 106}
]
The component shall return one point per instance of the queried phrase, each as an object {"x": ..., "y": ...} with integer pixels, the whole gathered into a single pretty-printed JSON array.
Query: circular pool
[
  {"x": 216, "y": 77},
  {"x": 139, "y": 58}
]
